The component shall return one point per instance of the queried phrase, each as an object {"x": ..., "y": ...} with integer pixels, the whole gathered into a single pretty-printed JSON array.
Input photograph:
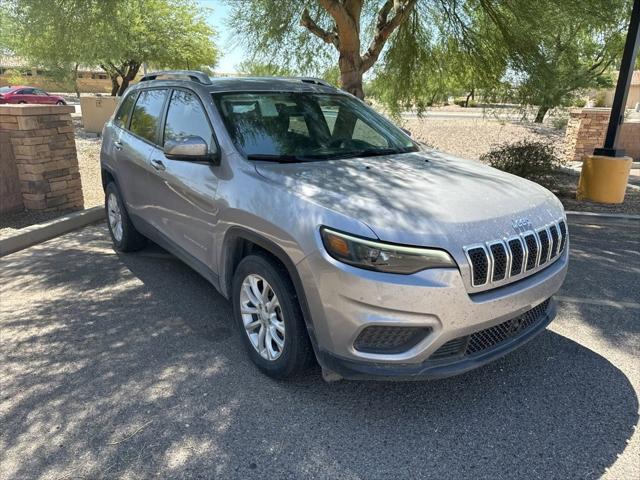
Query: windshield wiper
[
  {"x": 370, "y": 152},
  {"x": 264, "y": 157}
]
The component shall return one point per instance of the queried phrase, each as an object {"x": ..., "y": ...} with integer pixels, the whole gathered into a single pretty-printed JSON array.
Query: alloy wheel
[
  {"x": 115, "y": 217},
  {"x": 262, "y": 317}
]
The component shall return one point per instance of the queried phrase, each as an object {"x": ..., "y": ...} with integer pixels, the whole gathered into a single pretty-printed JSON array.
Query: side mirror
[
  {"x": 193, "y": 149},
  {"x": 408, "y": 132}
]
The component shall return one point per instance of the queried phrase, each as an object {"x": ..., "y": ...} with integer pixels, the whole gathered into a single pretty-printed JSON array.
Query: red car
[{"x": 28, "y": 95}]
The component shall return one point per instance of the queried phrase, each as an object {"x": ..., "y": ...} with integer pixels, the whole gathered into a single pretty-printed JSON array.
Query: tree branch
[
  {"x": 385, "y": 26},
  {"x": 328, "y": 37}
]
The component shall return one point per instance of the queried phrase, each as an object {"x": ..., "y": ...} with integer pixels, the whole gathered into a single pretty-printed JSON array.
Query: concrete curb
[
  {"x": 593, "y": 215},
  {"x": 45, "y": 231}
]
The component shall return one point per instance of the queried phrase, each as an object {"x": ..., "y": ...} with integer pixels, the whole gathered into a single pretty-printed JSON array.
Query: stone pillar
[
  {"x": 587, "y": 129},
  {"x": 44, "y": 150}
]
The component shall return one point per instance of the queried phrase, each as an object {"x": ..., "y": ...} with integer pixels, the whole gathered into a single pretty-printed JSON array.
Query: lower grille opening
[
  {"x": 385, "y": 339},
  {"x": 491, "y": 337}
]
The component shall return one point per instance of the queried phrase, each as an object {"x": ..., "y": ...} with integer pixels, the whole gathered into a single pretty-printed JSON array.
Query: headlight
[{"x": 382, "y": 257}]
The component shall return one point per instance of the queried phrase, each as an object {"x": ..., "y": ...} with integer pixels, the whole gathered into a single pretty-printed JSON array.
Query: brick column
[{"x": 44, "y": 151}]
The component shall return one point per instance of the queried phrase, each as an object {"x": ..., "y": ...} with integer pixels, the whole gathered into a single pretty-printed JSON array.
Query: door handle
[
  {"x": 158, "y": 165},
  {"x": 118, "y": 145}
]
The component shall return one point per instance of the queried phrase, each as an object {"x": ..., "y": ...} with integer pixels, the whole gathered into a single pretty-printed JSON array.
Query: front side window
[
  {"x": 121, "y": 118},
  {"x": 146, "y": 114},
  {"x": 186, "y": 118},
  {"x": 304, "y": 126}
]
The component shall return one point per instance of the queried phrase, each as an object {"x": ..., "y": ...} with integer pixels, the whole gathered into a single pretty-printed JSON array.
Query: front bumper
[
  {"x": 431, "y": 370},
  {"x": 344, "y": 300}
]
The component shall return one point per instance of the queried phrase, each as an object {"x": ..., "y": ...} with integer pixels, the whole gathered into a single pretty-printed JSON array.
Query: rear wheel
[
  {"x": 269, "y": 318},
  {"x": 124, "y": 235},
  {"x": 22, "y": 102}
]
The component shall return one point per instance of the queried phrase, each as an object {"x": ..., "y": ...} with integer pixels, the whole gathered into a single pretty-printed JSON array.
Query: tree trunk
[
  {"x": 75, "y": 80},
  {"x": 130, "y": 74},
  {"x": 114, "y": 85},
  {"x": 542, "y": 111},
  {"x": 470, "y": 95},
  {"x": 351, "y": 73}
]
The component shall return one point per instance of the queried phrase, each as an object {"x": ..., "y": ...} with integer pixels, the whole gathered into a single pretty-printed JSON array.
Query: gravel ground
[
  {"x": 470, "y": 138},
  {"x": 128, "y": 366},
  {"x": 88, "y": 147}
]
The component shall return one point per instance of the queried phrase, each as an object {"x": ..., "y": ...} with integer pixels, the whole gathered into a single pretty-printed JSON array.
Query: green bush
[
  {"x": 600, "y": 99},
  {"x": 560, "y": 122},
  {"x": 535, "y": 161},
  {"x": 579, "y": 102}
]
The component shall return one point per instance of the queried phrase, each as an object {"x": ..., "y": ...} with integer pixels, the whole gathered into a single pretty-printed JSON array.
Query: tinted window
[
  {"x": 186, "y": 118},
  {"x": 124, "y": 112},
  {"x": 25, "y": 91},
  {"x": 307, "y": 126},
  {"x": 146, "y": 114}
]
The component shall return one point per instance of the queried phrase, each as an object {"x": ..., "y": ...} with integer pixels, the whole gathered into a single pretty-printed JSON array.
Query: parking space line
[{"x": 604, "y": 303}]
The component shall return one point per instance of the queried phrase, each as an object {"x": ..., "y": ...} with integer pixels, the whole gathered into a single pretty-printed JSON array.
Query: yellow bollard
[{"x": 604, "y": 179}]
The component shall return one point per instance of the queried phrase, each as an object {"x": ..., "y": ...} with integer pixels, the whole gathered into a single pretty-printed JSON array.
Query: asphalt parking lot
[{"x": 128, "y": 366}]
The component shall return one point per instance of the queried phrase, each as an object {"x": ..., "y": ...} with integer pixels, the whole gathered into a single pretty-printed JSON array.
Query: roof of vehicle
[{"x": 237, "y": 84}]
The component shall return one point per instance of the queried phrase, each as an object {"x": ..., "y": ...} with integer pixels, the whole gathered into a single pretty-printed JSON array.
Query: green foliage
[
  {"x": 117, "y": 35},
  {"x": 560, "y": 48},
  {"x": 535, "y": 161},
  {"x": 601, "y": 99},
  {"x": 579, "y": 102},
  {"x": 259, "y": 69},
  {"x": 560, "y": 123}
]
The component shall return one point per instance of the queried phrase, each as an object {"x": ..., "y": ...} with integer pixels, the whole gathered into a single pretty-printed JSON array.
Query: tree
[
  {"x": 119, "y": 36},
  {"x": 259, "y": 69},
  {"x": 422, "y": 49},
  {"x": 566, "y": 46},
  {"x": 267, "y": 27}
]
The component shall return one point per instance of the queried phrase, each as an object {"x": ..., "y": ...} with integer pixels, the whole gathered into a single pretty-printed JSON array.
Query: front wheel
[
  {"x": 60, "y": 102},
  {"x": 269, "y": 318}
]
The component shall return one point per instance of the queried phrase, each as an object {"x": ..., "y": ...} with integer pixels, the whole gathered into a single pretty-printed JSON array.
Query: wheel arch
[{"x": 240, "y": 242}]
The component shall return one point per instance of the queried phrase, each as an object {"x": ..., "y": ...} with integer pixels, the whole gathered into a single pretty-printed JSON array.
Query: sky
[{"x": 231, "y": 55}]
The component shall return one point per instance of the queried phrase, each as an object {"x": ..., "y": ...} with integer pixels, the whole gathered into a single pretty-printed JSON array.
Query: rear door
[
  {"x": 183, "y": 206},
  {"x": 133, "y": 147},
  {"x": 22, "y": 96}
]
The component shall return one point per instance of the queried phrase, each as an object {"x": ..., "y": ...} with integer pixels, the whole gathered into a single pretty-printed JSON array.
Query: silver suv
[{"x": 333, "y": 233}]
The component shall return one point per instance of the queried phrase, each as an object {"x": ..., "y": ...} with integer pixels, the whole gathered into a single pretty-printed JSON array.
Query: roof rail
[
  {"x": 314, "y": 80},
  {"x": 193, "y": 75}
]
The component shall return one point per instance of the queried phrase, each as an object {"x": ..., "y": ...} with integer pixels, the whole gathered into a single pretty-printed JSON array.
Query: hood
[{"x": 424, "y": 198}]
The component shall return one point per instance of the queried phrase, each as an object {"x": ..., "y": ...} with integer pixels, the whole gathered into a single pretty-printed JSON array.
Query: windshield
[{"x": 294, "y": 126}]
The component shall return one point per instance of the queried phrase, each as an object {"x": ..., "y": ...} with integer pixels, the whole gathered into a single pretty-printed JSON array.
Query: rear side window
[
  {"x": 146, "y": 114},
  {"x": 186, "y": 118},
  {"x": 124, "y": 112}
]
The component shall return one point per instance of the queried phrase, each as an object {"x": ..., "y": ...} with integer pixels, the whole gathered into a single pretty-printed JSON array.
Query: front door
[{"x": 184, "y": 207}]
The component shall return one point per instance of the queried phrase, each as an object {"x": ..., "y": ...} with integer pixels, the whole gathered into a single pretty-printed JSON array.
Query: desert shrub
[
  {"x": 600, "y": 100},
  {"x": 535, "y": 161},
  {"x": 559, "y": 122}
]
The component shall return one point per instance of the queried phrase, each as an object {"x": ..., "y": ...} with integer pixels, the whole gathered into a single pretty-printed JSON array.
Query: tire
[
  {"x": 296, "y": 354},
  {"x": 60, "y": 102},
  {"x": 22, "y": 102},
  {"x": 124, "y": 235}
]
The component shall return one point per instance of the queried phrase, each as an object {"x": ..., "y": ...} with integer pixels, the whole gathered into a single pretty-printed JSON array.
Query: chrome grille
[{"x": 500, "y": 261}]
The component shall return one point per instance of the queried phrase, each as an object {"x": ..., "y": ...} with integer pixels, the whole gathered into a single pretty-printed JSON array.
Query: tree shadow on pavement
[{"x": 129, "y": 366}]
